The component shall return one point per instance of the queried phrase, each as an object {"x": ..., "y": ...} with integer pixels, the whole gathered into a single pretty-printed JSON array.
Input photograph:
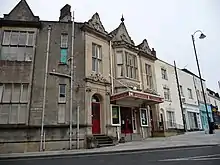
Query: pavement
[{"x": 187, "y": 140}]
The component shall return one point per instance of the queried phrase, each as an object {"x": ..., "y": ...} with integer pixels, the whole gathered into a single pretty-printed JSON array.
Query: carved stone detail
[
  {"x": 97, "y": 78},
  {"x": 151, "y": 91},
  {"x": 96, "y": 23},
  {"x": 144, "y": 46}
]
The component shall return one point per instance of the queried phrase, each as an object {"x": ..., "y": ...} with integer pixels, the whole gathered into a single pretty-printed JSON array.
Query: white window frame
[
  {"x": 120, "y": 64},
  {"x": 149, "y": 75},
  {"x": 164, "y": 76},
  {"x": 64, "y": 37},
  {"x": 169, "y": 93},
  {"x": 173, "y": 120},
  {"x": 147, "y": 117},
  {"x": 119, "y": 108},
  {"x": 97, "y": 58},
  {"x": 132, "y": 67},
  {"x": 190, "y": 94}
]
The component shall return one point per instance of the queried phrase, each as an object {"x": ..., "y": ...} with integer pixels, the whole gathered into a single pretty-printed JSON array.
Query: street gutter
[{"x": 91, "y": 152}]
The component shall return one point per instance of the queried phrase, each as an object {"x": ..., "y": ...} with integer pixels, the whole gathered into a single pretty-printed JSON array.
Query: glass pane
[
  {"x": 63, "y": 58},
  {"x": 119, "y": 58},
  {"x": 4, "y": 113},
  {"x": 64, "y": 41},
  {"x": 14, "y": 38},
  {"x": 61, "y": 113},
  {"x": 93, "y": 50},
  {"x": 4, "y": 53},
  {"x": 6, "y": 38},
  {"x": 28, "y": 54},
  {"x": 7, "y": 93},
  {"x": 13, "y": 116},
  {"x": 99, "y": 66},
  {"x": 1, "y": 92},
  {"x": 22, "y": 38},
  {"x": 21, "y": 51},
  {"x": 115, "y": 115},
  {"x": 99, "y": 53},
  {"x": 93, "y": 64},
  {"x": 16, "y": 93},
  {"x": 22, "y": 113},
  {"x": 30, "y": 39},
  {"x": 62, "y": 90},
  {"x": 24, "y": 94}
]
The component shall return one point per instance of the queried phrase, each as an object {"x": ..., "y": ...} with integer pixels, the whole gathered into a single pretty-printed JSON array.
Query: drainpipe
[
  {"x": 45, "y": 88},
  {"x": 71, "y": 86},
  {"x": 111, "y": 66}
]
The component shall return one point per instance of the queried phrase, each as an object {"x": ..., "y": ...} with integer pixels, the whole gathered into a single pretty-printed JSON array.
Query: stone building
[{"x": 114, "y": 82}]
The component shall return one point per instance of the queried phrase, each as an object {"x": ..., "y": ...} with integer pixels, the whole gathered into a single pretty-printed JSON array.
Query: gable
[
  {"x": 121, "y": 33},
  {"x": 21, "y": 12},
  {"x": 144, "y": 46},
  {"x": 96, "y": 23}
]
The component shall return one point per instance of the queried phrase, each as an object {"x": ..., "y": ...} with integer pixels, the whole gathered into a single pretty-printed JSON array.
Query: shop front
[
  {"x": 203, "y": 115},
  {"x": 133, "y": 114}
]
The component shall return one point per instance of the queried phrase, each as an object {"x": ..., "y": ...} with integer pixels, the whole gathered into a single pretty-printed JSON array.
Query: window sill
[
  {"x": 61, "y": 102},
  {"x": 61, "y": 63},
  {"x": 127, "y": 78}
]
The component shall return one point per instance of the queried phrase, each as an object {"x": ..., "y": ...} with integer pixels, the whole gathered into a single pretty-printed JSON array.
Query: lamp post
[{"x": 202, "y": 36}]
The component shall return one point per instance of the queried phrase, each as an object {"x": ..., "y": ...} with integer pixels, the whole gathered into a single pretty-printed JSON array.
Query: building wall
[
  {"x": 173, "y": 104},
  {"x": 190, "y": 105}
]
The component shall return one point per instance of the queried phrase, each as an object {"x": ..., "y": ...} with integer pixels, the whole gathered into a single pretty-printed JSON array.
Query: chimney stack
[{"x": 65, "y": 14}]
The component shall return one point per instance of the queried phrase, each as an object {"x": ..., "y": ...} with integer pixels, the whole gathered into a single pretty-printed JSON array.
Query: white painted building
[
  {"x": 189, "y": 100},
  {"x": 167, "y": 87}
]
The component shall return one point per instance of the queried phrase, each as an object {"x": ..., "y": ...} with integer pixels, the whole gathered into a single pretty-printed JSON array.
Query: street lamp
[{"x": 202, "y": 36}]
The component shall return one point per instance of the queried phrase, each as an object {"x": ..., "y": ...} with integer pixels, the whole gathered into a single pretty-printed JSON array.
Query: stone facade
[{"x": 97, "y": 82}]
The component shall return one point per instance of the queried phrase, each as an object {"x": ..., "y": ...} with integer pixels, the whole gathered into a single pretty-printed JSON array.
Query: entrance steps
[{"x": 104, "y": 140}]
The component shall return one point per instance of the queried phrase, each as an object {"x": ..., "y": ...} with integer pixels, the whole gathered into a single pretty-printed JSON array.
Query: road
[{"x": 209, "y": 155}]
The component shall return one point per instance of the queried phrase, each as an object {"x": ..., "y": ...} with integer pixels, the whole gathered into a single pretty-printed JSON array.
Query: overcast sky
[{"x": 166, "y": 24}]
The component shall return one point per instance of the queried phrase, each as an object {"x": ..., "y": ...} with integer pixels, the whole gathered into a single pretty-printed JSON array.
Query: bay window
[
  {"x": 120, "y": 66},
  {"x": 131, "y": 65}
]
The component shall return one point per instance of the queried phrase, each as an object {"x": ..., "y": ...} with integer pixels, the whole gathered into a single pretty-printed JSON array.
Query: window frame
[
  {"x": 131, "y": 66},
  {"x": 173, "y": 125},
  {"x": 149, "y": 75},
  {"x": 167, "y": 89},
  {"x": 64, "y": 37},
  {"x": 119, "y": 113},
  {"x": 17, "y": 46},
  {"x": 164, "y": 74},
  {"x": 120, "y": 64},
  {"x": 60, "y": 98},
  {"x": 190, "y": 94},
  {"x": 146, "y": 117},
  {"x": 97, "y": 58}
]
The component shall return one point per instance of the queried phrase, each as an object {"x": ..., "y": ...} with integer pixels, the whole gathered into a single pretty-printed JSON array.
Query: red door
[{"x": 96, "y": 118}]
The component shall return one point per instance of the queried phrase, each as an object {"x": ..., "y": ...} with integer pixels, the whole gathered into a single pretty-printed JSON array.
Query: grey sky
[{"x": 166, "y": 24}]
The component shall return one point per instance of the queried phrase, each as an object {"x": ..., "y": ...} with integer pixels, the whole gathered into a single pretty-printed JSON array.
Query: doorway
[
  {"x": 126, "y": 120},
  {"x": 96, "y": 105}
]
